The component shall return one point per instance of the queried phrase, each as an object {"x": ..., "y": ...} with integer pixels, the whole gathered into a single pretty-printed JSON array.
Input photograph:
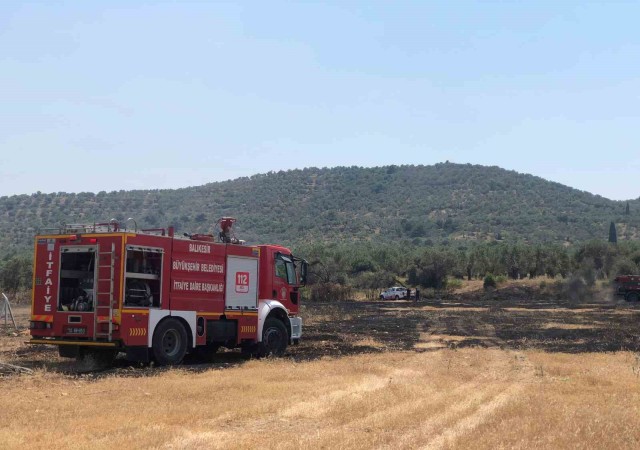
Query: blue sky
[{"x": 141, "y": 95}]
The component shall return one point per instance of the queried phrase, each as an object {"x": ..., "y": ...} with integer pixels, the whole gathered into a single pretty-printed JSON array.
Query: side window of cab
[{"x": 281, "y": 269}]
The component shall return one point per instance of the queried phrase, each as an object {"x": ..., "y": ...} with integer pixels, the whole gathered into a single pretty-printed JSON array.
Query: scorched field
[{"x": 467, "y": 371}]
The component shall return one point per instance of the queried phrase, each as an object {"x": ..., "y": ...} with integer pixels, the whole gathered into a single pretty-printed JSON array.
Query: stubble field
[{"x": 469, "y": 371}]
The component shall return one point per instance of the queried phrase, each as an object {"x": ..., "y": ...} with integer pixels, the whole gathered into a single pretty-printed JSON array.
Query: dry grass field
[{"x": 460, "y": 372}]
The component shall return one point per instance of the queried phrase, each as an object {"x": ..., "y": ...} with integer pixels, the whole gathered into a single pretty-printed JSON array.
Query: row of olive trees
[
  {"x": 376, "y": 266},
  {"x": 593, "y": 260},
  {"x": 373, "y": 266}
]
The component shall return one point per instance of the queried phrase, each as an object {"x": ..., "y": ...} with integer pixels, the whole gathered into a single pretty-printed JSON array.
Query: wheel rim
[
  {"x": 171, "y": 343},
  {"x": 272, "y": 338}
]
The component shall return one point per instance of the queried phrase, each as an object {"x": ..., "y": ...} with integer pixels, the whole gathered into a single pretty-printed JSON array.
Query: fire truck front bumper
[{"x": 296, "y": 328}]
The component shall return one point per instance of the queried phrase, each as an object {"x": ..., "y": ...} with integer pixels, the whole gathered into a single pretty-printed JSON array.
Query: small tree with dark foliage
[{"x": 613, "y": 235}]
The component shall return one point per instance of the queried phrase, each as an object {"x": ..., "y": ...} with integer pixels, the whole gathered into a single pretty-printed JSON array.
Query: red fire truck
[
  {"x": 628, "y": 286},
  {"x": 100, "y": 289}
]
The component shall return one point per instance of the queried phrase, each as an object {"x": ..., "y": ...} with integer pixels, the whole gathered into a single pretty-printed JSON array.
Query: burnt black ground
[
  {"x": 345, "y": 328},
  {"x": 517, "y": 324}
]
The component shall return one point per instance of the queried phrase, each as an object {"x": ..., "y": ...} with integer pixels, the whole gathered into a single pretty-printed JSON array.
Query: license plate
[{"x": 76, "y": 330}]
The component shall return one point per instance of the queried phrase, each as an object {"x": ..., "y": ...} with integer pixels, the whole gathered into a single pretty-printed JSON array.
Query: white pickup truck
[{"x": 394, "y": 293}]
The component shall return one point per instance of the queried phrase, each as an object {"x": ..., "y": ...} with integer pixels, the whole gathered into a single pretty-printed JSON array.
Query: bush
[
  {"x": 428, "y": 293},
  {"x": 489, "y": 281},
  {"x": 624, "y": 266},
  {"x": 15, "y": 274},
  {"x": 329, "y": 292},
  {"x": 453, "y": 284}
]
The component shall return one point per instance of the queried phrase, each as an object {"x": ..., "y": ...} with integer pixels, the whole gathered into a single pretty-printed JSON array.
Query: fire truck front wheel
[
  {"x": 274, "y": 338},
  {"x": 169, "y": 342}
]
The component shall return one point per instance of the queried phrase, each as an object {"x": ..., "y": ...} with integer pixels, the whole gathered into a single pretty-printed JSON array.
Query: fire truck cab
[{"x": 100, "y": 289}]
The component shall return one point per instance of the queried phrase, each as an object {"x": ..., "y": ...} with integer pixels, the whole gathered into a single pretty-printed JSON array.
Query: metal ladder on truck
[{"x": 103, "y": 311}]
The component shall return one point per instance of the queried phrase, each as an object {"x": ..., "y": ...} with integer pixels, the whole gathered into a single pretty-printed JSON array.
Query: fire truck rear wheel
[
  {"x": 274, "y": 338},
  {"x": 632, "y": 297},
  {"x": 169, "y": 342}
]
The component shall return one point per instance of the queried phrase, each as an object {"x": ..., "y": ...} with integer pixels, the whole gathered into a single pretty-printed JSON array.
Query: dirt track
[{"x": 347, "y": 328}]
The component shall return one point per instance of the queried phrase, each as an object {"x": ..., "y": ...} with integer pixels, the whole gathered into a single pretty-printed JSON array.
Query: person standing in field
[
  {"x": 417, "y": 294},
  {"x": 408, "y": 293}
]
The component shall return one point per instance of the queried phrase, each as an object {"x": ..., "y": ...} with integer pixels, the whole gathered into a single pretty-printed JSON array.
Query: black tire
[
  {"x": 169, "y": 342},
  {"x": 382, "y": 297},
  {"x": 275, "y": 338},
  {"x": 397, "y": 297},
  {"x": 632, "y": 297}
]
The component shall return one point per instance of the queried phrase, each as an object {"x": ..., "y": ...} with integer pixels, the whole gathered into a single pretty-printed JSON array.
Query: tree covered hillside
[{"x": 418, "y": 205}]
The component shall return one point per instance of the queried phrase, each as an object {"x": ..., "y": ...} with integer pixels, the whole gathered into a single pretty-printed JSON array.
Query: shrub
[
  {"x": 330, "y": 292},
  {"x": 428, "y": 293},
  {"x": 489, "y": 281},
  {"x": 624, "y": 266},
  {"x": 453, "y": 284},
  {"x": 15, "y": 274}
]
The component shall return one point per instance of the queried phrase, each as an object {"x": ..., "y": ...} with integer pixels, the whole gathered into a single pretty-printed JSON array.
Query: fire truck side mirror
[{"x": 303, "y": 273}]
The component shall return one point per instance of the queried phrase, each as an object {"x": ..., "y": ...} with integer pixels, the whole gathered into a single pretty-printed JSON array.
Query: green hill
[{"x": 408, "y": 204}]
